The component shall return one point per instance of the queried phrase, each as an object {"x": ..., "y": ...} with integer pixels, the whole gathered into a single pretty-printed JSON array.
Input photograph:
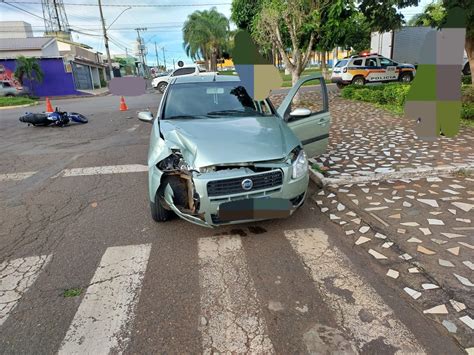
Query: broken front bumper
[{"x": 240, "y": 207}]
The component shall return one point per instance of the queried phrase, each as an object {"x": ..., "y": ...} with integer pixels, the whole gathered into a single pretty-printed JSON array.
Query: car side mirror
[
  {"x": 300, "y": 113},
  {"x": 145, "y": 116}
]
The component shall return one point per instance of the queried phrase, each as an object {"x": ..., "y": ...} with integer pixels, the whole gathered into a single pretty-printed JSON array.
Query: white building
[{"x": 15, "y": 29}]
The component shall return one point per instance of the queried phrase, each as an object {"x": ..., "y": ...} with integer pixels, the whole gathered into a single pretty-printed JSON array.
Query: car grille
[{"x": 234, "y": 185}]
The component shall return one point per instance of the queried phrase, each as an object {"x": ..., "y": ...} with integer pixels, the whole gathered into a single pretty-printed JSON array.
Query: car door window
[
  {"x": 308, "y": 96},
  {"x": 384, "y": 62},
  {"x": 183, "y": 71},
  {"x": 371, "y": 62},
  {"x": 311, "y": 129},
  {"x": 357, "y": 62}
]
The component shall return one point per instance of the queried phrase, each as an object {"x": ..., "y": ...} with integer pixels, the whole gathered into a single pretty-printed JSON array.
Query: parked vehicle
[
  {"x": 56, "y": 118},
  {"x": 160, "y": 83},
  {"x": 218, "y": 157},
  {"x": 361, "y": 69},
  {"x": 7, "y": 89},
  {"x": 466, "y": 69}
]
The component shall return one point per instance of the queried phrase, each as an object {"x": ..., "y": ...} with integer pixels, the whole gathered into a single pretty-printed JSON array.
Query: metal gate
[{"x": 82, "y": 76}]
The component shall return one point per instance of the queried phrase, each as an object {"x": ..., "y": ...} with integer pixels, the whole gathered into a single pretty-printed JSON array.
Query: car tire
[
  {"x": 158, "y": 212},
  {"x": 162, "y": 86},
  {"x": 340, "y": 85},
  {"x": 406, "y": 78},
  {"x": 467, "y": 69},
  {"x": 10, "y": 95},
  {"x": 358, "y": 80}
]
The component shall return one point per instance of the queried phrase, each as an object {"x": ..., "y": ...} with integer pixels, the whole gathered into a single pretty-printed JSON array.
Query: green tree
[
  {"x": 433, "y": 15},
  {"x": 384, "y": 15},
  {"x": 29, "y": 69},
  {"x": 244, "y": 11},
  {"x": 299, "y": 20},
  {"x": 205, "y": 36}
]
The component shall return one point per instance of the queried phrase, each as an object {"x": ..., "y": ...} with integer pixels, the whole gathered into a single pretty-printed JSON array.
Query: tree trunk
[
  {"x": 295, "y": 76},
  {"x": 469, "y": 46},
  {"x": 214, "y": 59}
]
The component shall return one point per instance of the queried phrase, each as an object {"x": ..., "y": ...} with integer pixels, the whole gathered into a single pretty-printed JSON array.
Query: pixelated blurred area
[
  {"x": 258, "y": 76},
  {"x": 434, "y": 98},
  {"x": 127, "y": 86}
]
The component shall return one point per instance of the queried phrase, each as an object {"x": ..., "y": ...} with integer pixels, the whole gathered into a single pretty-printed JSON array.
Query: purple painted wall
[{"x": 56, "y": 81}]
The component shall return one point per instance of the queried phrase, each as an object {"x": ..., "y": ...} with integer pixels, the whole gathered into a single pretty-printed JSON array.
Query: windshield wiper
[{"x": 228, "y": 112}]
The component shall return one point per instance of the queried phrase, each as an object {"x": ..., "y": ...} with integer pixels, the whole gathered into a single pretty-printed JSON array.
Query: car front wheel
[
  {"x": 406, "y": 78},
  {"x": 158, "y": 212},
  {"x": 358, "y": 80},
  {"x": 162, "y": 86}
]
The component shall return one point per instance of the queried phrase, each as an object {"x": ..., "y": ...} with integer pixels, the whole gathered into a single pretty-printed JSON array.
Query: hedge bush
[{"x": 388, "y": 94}]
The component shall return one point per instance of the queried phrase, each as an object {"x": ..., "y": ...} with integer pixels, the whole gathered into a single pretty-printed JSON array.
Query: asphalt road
[{"x": 284, "y": 286}]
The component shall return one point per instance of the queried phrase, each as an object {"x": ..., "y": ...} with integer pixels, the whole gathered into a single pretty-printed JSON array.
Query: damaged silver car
[{"x": 218, "y": 157}]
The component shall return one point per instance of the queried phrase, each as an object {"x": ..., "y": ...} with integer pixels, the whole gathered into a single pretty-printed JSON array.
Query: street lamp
[{"x": 120, "y": 14}]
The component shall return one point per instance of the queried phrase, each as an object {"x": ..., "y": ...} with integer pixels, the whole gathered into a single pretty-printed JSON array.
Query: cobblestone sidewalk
[
  {"x": 421, "y": 233},
  {"x": 364, "y": 139}
]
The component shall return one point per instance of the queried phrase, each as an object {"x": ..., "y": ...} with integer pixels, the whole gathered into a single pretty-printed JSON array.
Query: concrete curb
[
  {"x": 407, "y": 173},
  {"x": 18, "y": 106}
]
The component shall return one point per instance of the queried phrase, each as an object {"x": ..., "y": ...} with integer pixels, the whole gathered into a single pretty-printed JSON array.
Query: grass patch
[
  {"x": 14, "y": 101},
  {"x": 72, "y": 292},
  {"x": 318, "y": 168}
]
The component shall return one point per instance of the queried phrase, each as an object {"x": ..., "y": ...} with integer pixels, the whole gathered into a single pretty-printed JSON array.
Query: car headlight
[{"x": 300, "y": 165}]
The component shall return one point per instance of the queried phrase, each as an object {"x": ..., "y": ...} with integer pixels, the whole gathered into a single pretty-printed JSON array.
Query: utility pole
[
  {"x": 164, "y": 58},
  {"x": 106, "y": 40},
  {"x": 174, "y": 67},
  {"x": 157, "y": 60},
  {"x": 140, "y": 48}
]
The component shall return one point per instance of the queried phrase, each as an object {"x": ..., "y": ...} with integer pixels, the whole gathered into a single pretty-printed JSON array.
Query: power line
[
  {"x": 23, "y": 10},
  {"x": 131, "y": 5}
]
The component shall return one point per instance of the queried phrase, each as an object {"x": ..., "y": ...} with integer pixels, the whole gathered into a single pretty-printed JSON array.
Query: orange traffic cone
[
  {"x": 49, "y": 107},
  {"x": 123, "y": 105}
]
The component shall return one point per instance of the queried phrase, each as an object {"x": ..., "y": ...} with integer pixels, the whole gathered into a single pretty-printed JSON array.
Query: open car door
[{"x": 306, "y": 111}]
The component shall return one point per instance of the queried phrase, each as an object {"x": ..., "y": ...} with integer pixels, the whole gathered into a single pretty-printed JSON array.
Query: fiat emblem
[{"x": 247, "y": 184}]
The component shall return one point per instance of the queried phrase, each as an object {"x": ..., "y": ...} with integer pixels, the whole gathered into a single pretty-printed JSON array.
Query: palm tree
[
  {"x": 28, "y": 68},
  {"x": 205, "y": 36}
]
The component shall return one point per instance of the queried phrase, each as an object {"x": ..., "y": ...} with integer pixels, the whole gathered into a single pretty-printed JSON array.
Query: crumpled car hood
[{"x": 213, "y": 141}]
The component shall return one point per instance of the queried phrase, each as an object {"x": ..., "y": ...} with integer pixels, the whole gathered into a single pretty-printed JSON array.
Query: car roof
[{"x": 205, "y": 79}]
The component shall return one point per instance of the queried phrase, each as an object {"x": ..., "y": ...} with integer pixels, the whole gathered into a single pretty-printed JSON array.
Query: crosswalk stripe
[
  {"x": 16, "y": 276},
  {"x": 357, "y": 306},
  {"x": 102, "y": 322},
  {"x": 231, "y": 319},
  {"x": 100, "y": 170},
  {"x": 16, "y": 176}
]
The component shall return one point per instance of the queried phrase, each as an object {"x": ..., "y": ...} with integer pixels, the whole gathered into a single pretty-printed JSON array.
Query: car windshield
[
  {"x": 211, "y": 100},
  {"x": 341, "y": 63}
]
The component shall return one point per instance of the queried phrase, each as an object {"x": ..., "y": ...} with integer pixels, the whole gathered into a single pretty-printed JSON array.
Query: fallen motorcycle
[{"x": 56, "y": 118}]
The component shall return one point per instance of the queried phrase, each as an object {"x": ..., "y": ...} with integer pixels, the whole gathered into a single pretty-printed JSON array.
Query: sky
[{"x": 163, "y": 20}]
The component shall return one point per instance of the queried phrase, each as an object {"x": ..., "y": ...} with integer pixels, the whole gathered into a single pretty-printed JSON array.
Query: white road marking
[
  {"x": 231, "y": 319},
  {"x": 16, "y": 176},
  {"x": 131, "y": 129},
  {"x": 100, "y": 170},
  {"x": 16, "y": 276},
  {"x": 102, "y": 322},
  {"x": 356, "y": 305}
]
